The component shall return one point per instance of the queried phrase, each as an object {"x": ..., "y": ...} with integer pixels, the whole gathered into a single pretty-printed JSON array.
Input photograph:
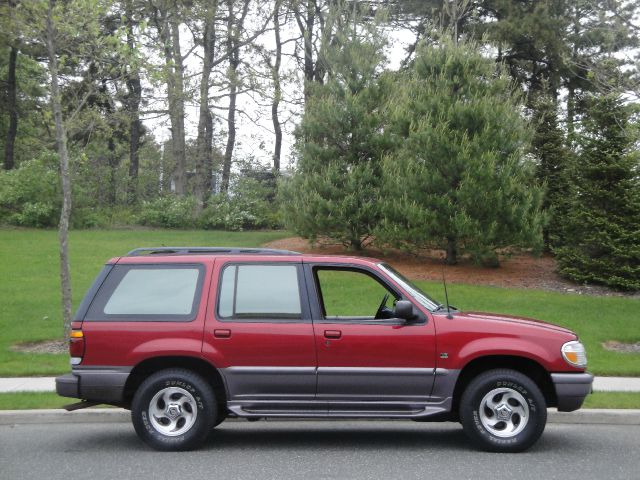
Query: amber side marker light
[{"x": 574, "y": 354}]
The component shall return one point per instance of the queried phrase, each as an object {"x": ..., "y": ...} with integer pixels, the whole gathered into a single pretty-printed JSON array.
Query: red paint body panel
[
  {"x": 388, "y": 346},
  {"x": 465, "y": 337}
]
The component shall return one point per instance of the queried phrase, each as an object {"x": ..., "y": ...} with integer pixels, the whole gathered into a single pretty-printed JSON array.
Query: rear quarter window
[{"x": 149, "y": 293}]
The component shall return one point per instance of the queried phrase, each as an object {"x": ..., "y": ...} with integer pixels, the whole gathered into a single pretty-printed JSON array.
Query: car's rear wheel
[
  {"x": 174, "y": 409},
  {"x": 503, "y": 411}
]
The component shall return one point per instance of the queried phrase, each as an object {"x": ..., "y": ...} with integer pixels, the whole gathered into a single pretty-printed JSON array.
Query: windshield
[{"x": 417, "y": 294}]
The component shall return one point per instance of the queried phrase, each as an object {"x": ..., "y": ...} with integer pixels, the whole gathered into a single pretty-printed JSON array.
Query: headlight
[{"x": 574, "y": 354}]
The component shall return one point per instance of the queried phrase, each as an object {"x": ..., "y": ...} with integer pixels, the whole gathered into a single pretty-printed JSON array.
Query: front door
[{"x": 364, "y": 354}]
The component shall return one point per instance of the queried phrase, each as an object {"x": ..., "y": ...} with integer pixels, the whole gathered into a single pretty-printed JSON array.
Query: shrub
[
  {"x": 248, "y": 206},
  {"x": 30, "y": 194},
  {"x": 169, "y": 211}
]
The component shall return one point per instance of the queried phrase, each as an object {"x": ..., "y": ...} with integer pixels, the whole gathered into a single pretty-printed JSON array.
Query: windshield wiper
[{"x": 442, "y": 307}]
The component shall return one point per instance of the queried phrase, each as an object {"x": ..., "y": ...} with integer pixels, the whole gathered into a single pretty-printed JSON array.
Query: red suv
[{"x": 186, "y": 337}]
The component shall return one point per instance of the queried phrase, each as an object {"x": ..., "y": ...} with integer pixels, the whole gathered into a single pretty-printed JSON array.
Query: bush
[
  {"x": 169, "y": 211},
  {"x": 36, "y": 214},
  {"x": 248, "y": 207},
  {"x": 91, "y": 217},
  {"x": 225, "y": 214},
  {"x": 30, "y": 194}
]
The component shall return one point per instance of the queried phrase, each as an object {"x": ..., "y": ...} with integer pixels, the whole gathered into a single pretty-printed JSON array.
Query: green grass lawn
[
  {"x": 32, "y": 400},
  {"x": 30, "y": 295},
  {"x": 29, "y": 281}
]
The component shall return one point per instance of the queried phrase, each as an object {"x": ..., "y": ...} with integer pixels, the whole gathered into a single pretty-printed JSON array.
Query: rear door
[
  {"x": 364, "y": 357},
  {"x": 259, "y": 333}
]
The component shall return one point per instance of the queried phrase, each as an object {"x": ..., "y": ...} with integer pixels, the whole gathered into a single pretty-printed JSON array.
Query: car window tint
[
  {"x": 348, "y": 293},
  {"x": 260, "y": 291},
  {"x": 154, "y": 291}
]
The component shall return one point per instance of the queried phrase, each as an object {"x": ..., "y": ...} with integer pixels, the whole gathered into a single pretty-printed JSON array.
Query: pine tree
[
  {"x": 601, "y": 236},
  {"x": 460, "y": 179},
  {"x": 335, "y": 192},
  {"x": 552, "y": 171}
]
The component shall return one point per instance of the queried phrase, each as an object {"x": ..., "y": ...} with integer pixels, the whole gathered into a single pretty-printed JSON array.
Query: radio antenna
[{"x": 446, "y": 295}]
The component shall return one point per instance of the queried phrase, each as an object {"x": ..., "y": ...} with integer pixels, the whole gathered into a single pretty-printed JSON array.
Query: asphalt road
[{"x": 315, "y": 450}]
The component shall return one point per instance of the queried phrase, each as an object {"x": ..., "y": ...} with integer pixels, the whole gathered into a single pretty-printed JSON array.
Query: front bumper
[
  {"x": 104, "y": 385},
  {"x": 571, "y": 389}
]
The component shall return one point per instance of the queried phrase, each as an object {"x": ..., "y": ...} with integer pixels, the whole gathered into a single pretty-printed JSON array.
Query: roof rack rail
[{"x": 207, "y": 250}]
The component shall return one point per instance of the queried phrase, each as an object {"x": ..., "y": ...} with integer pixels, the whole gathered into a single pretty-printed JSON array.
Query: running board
[{"x": 326, "y": 410}]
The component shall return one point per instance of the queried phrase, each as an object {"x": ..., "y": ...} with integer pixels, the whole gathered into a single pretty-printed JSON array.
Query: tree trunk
[
  {"x": 277, "y": 90},
  {"x": 133, "y": 100},
  {"x": 168, "y": 30},
  {"x": 61, "y": 144},
  {"x": 204, "y": 161},
  {"x": 176, "y": 108},
  {"x": 306, "y": 21},
  {"x": 234, "y": 60},
  {"x": 571, "y": 113},
  {"x": 452, "y": 251},
  {"x": 309, "y": 68},
  {"x": 113, "y": 170},
  {"x": 12, "y": 110},
  {"x": 355, "y": 244}
]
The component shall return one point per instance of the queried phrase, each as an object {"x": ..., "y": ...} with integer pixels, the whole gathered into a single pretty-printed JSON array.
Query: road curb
[
  {"x": 118, "y": 415},
  {"x": 87, "y": 415}
]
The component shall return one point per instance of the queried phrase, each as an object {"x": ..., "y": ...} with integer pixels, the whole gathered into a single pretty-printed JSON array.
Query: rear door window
[{"x": 255, "y": 292}]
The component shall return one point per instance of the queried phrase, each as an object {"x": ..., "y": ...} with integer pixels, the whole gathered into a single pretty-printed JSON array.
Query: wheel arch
[
  {"x": 152, "y": 365},
  {"x": 526, "y": 366}
]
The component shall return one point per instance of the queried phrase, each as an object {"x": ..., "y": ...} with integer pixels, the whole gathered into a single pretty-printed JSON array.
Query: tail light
[{"x": 76, "y": 346}]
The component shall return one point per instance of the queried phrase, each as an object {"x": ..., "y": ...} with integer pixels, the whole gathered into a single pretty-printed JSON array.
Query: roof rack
[{"x": 207, "y": 251}]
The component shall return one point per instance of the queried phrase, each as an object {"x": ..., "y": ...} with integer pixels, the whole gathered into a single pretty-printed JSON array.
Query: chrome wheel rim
[
  {"x": 173, "y": 411},
  {"x": 504, "y": 412}
]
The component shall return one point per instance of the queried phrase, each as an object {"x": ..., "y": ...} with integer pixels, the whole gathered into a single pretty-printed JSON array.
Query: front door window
[{"x": 352, "y": 294}]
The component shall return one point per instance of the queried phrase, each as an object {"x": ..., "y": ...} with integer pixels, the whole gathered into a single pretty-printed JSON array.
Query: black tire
[
  {"x": 219, "y": 419},
  {"x": 182, "y": 424},
  {"x": 517, "y": 419}
]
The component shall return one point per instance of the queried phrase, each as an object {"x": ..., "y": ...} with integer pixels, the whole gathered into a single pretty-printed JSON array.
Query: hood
[{"x": 492, "y": 317}]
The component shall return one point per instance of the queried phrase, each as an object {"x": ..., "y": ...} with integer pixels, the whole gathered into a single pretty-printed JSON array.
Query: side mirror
[{"x": 404, "y": 310}]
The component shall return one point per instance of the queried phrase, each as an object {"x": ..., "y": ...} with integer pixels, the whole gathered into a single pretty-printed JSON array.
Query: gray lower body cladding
[
  {"x": 349, "y": 392},
  {"x": 571, "y": 389},
  {"x": 105, "y": 384}
]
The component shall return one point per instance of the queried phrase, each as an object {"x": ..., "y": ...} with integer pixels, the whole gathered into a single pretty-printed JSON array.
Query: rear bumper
[
  {"x": 104, "y": 385},
  {"x": 571, "y": 389},
  {"x": 67, "y": 386}
]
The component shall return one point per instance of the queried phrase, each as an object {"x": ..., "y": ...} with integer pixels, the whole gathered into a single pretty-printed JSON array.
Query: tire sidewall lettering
[
  {"x": 471, "y": 410},
  {"x": 204, "y": 403}
]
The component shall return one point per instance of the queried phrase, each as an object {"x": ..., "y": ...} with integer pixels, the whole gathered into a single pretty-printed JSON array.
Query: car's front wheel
[
  {"x": 174, "y": 409},
  {"x": 503, "y": 411}
]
